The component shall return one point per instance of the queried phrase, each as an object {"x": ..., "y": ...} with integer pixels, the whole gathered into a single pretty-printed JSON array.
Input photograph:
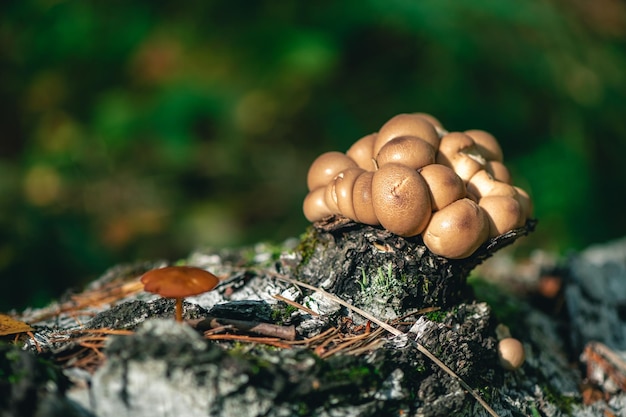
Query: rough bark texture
[
  {"x": 385, "y": 273},
  {"x": 165, "y": 368}
]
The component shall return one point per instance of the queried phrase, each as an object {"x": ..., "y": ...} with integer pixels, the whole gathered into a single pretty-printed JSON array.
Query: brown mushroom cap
[
  {"x": 444, "y": 185},
  {"x": 342, "y": 191},
  {"x": 406, "y": 125},
  {"x": 511, "y": 353},
  {"x": 504, "y": 213},
  {"x": 430, "y": 119},
  {"x": 362, "y": 199},
  {"x": 410, "y": 151},
  {"x": 401, "y": 199},
  {"x": 525, "y": 201},
  {"x": 483, "y": 184},
  {"x": 459, "y": 152},
  {"x": 498, "y": 171},
  {"x": 362, "y": 152},
  {"x": 314, "y": 205},
  {"x": 457, "y": 230},
  {"x": 179, "y": 281},
  {"x": 487, "y": 144},
  {"x": 326, "y": 167}
]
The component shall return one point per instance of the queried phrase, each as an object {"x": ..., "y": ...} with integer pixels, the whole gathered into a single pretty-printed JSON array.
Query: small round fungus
[
  {"x": 498, "y": 171},
  {"x": 362, "y": 199},
  {"x": 326, "y": 167},
  {"x": 342, "y": 191},
  {"x": 504, "y": 213},
  {"x": 410, "y": 151},
  {"x": 314, "y": 206},
  {"x": 362, "y": 152},
  {"x": 511, "y": 353},
  {"x": 457, "y": 230},
  {"x": 487, "y": 145},
  {"x": 459, "y": 152},
  {"x": 406, "y": 125},
  {"x": 444, "y": 185},
  {"x": 401, "y": 199},
  {"x": 179, "y": 282},
  {"x": 482, "y": 184}
]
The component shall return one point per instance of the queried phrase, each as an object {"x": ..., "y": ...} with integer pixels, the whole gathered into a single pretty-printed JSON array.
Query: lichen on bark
[{"x": 387, "y": 274}]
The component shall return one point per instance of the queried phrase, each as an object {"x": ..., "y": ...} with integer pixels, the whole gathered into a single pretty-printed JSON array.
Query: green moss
[
  {"x": 562, "y": 402},
  {"x": 437, "y": 316},
  {"x": 308, "y": 242},
  {"x": 282, "y": 313}
]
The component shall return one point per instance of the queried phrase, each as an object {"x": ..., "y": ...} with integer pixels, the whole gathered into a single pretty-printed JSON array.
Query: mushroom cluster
[{"x": 413, "y": 177}]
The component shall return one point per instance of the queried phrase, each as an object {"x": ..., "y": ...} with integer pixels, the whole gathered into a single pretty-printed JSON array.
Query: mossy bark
[{"x": 385, "y": 273}]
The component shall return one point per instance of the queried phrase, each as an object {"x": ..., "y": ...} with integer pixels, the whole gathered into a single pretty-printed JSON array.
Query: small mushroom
[
  {"x": 406, "y": 125},
  {"x": 362, "y": 152},
  {"x": 511, "y": 353},
  {"x": 314, "y": 205},
  {"x": 342, "y": 191},
  {"x": 362, "y": 199},
  {"x": 444, "y": 185},
  {"x": 504, "y": 213},
  {"x": 326, "y": 167},
  {"x": 483, "y": 184},
  {"x": 401, "y": 199},
  {"x": 457, "y": 230},
  {"x": 497, "y": 170},
  {"x": 179, "y": 282},
  {"x": 525, "y": 201},
  {"x": 487, "y": 144},
  {"x": 459, "y": 152},
  {"x": 410, "y": 151},
  {"x": 433, "y": 121}
]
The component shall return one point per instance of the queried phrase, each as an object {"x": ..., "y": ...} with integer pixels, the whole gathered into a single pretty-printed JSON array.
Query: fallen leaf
[{"x": 9, "y": 325}]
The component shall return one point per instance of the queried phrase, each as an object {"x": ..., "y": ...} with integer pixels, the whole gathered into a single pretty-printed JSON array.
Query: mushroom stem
[{"x": 179, "y": 309}]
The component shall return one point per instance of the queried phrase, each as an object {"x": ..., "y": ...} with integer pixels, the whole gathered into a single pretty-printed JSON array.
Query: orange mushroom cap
[{"x": 179, "y": 281}]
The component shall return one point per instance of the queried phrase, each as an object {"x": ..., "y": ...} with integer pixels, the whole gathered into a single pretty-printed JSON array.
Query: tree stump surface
[{"x": 113, "y": 349}]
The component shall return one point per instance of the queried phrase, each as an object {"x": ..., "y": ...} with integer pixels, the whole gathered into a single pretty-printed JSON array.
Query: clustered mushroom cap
[
  {"x": 410, "y": 151},
  {"x": 179, "y": 281},
  {"x": 457, "y": 230},
  {"x": 406, "y": 125},
  {"x": 401, "y": 199},
  {"x": 362, "y": 152},
  {"x": 414, "y": 177}
]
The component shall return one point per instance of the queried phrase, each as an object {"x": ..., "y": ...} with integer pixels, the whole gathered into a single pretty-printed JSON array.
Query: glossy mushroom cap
[
  {"x": 457, "y": 230},
  {"x": 511, "y": 353},
  {"x": 362, "y": 199},
  {"x": 444, "y": 185},
  {"x": 326, "y": 167},
  {"x": 459, "y": 152},
  {"x": 341, "y": 191},
  {"x": 314, "y": 205},
  {"x": 179, "y": 281},
  {"x": 406, "y": 125},
  {"x": 504, "y": 213},
  {"x": 482, "y": 184},
  {"x": 498, "y": 171},
  {"x": 362, "y": 152},
  {"x": 487, "y": 145},
  {"x": 401, "y": 199},
  {"x": 410, "y": 151}
]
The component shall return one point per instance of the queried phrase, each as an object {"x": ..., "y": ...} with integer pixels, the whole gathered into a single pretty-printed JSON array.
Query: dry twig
[{"x": 395, "y": 332}]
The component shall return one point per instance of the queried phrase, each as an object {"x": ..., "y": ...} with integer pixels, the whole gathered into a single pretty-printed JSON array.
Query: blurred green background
[{"x": 145, "y": 129}]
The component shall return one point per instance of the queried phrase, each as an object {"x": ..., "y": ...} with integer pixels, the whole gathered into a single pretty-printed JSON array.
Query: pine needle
[{"x": 397, "y": 332}]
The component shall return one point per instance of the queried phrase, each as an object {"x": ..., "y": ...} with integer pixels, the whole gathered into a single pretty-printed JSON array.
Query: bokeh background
[{"x": 145, "y": 129}]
